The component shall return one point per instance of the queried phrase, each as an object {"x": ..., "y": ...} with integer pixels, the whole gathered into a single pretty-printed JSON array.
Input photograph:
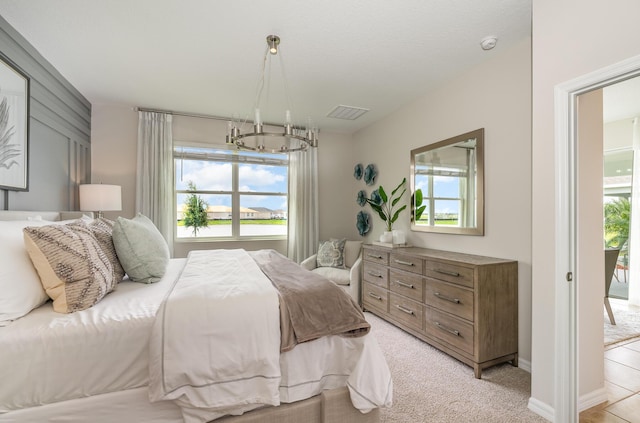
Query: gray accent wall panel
[{"x": 60, "y": 132}]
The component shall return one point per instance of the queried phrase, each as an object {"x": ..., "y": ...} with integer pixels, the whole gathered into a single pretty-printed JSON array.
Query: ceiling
[
  {"x": 205, "y": 56},
  {"x": 622, "y": 100}
]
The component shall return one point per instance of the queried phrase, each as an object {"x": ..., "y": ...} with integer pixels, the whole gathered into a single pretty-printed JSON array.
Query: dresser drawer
[
  {"x": 375, "y": 297},
  {"x": 408, "y": 312},
  {"x": 408, "y": 263},
  {"x": 376, "y": 256},
  {"x": 449, "y": 272},
  {"x": 407, "y": 284},
  {"x": 453, "y": 299},
  {"x": 448, "y": 329},
  {"x": 376, "y": 274}
]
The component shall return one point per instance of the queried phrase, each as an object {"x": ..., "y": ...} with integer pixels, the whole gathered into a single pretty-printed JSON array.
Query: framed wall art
[{"x": 14, "y": 127}]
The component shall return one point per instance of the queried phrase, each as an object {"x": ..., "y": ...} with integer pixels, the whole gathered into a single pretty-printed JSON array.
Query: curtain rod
[
  {"x": 169, "y": 112},
  {"x": 195, "y": 115}
]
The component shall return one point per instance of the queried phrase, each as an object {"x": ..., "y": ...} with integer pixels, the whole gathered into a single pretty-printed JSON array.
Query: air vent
[{"x": 347, "y": 112}]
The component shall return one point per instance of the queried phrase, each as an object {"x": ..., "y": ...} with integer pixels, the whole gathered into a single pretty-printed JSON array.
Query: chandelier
[{"x": 308, "y": 137}]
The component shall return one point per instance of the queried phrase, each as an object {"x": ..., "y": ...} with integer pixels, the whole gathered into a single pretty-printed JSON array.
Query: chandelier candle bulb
[{"x": 257, "y": 120}]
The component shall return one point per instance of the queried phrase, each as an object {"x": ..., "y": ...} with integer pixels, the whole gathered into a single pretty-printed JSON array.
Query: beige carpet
[
  {"x": 627, "y": 322},
  {"x": 430, "y": 386}
]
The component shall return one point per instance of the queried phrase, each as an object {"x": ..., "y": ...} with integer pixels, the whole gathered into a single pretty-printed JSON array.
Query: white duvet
[
  {"x": 216, "y": 340},
  {"x": 229, "y": 318}
]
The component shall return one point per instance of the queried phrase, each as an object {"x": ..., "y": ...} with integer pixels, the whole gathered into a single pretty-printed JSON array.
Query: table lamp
[{"x": 99, "y": 198}]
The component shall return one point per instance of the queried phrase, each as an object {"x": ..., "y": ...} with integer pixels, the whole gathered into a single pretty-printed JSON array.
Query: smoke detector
[{"x": 488, "y": 43}]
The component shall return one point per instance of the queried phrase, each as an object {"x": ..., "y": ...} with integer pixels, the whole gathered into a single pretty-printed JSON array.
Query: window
[
  {"x": 443, "y": 192},
  {"x": 245, "y": 192}
]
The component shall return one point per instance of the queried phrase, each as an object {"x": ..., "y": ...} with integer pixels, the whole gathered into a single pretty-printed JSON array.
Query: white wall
[
  {"x": 571, "y": 38},
  {"x": 114, "y": 136},
  {"x": 114, "y": 131},
  {"x": 495, "y": 95}
]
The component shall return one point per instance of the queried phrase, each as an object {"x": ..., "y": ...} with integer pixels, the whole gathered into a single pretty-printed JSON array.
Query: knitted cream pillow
[
  {"x": 74, "y": 270},
  {"x": 102, "y": 229}
]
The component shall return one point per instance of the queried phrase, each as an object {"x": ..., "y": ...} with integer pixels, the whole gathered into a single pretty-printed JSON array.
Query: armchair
[
  {"x": 610, "y": 260},
  {"x": 348, "y": 278}
]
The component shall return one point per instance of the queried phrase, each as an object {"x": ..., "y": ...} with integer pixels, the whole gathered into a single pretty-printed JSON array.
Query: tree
[
  {"x": 195, "y": 212},
  {"x": 616, "y": 222}
]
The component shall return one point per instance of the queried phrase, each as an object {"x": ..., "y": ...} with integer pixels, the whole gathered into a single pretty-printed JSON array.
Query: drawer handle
[
  {"x": 406, "y": 263},
  {"x": 446, "y": 329},
  {"x": 406, "y": 310},
  {"x": 444, "y": 297},
  {"x": 374, "y": 256},
  {"x": 406, "y": 285},
  {"x": 377, "y": 297},
  {"x": 374, "y": 274},
  {"x": 446, "y": 272}
]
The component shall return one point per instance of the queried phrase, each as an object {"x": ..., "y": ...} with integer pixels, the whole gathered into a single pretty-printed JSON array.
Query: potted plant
[{"x": 385, "y": 207}]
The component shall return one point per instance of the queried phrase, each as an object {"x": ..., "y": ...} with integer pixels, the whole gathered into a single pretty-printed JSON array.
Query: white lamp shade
[{"x": 100, "y": 197}]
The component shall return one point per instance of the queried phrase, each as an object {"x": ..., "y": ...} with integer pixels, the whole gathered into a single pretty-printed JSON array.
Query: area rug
[
  {"x": 627, "y": 322},
  {"x": 430, "y": 386}
]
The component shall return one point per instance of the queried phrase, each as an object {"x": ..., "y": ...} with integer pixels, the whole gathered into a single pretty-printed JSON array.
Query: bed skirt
[{"x": 331, "y": 406}]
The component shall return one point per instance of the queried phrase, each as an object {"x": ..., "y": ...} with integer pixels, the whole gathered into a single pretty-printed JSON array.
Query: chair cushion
[
  {"x": 331, "y": 253},
  {"x": 351, "y": 252},
  {"x": 336, "y": 275}
]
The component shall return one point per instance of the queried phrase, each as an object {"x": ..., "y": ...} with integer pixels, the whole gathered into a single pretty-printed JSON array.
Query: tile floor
[{"x": 622, "y": 380}]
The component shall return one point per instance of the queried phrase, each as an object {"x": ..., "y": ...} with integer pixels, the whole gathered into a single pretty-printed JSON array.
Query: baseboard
[
  {"x": 584, "y": 402},
  {"x": 592, "y": 399},
  {"x": 524, "y": 365},
  {"x": 542, "y": 409}
]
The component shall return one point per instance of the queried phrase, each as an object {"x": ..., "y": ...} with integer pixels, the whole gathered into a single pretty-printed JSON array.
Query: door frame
[{"x": 566, "y": 300}]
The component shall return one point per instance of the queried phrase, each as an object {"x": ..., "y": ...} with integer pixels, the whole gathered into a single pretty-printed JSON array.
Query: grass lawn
[{"x": 244, "y": 222}]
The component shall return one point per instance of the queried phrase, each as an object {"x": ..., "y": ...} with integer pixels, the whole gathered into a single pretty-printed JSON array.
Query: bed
[{"x": 102, "y": 364}]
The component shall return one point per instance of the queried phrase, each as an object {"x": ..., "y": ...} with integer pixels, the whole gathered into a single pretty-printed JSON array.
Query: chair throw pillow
[
  {"x": 141, "y": 248},
  {"x": 74, "y": 270},
  {"x": 331, "y": 254}
]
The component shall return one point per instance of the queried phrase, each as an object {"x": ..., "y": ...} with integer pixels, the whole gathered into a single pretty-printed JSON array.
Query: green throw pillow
[{"x": 141, "y": 249}]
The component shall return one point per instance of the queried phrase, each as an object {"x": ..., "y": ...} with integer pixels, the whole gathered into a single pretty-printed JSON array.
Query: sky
[{"x": 217, "y": 176}]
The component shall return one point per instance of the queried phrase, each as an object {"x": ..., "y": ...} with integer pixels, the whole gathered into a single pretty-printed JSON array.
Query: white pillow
[{"x": 20, "y": 287}]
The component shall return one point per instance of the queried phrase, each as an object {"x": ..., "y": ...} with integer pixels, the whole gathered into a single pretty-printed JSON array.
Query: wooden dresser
[{"x": 462, "y": 304}]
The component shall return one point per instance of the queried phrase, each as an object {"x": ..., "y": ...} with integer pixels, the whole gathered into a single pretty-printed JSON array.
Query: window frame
[{"x": 236, "y": 159}]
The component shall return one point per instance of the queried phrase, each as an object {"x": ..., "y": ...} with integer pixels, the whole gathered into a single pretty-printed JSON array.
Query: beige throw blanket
[{"x": 311, "y": 306}]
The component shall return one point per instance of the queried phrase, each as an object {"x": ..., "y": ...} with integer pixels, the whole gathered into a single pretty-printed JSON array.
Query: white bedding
[
  {"x": 59, "y": 359},
  {"x": 216, "y": 340},
  {"x": 230, "y": 320},
  {"x": 47, "y": 357}
]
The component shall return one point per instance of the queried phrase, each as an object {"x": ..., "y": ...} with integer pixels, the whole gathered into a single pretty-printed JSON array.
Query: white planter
[
  {"x": 386, "y": 236},
  {"x": 398, "y": 237}
]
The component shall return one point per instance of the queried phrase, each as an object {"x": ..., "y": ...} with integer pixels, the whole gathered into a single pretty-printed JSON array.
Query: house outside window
[{"x": 245, "y": 192}]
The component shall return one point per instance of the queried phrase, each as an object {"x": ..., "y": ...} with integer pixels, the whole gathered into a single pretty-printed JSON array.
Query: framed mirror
[{"x": 448, "y": 176}]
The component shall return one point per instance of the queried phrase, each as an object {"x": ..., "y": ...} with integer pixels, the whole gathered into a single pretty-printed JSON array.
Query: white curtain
[
  {"x": 154, "y": 179},
  {"x": 303, "y": 203}
]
